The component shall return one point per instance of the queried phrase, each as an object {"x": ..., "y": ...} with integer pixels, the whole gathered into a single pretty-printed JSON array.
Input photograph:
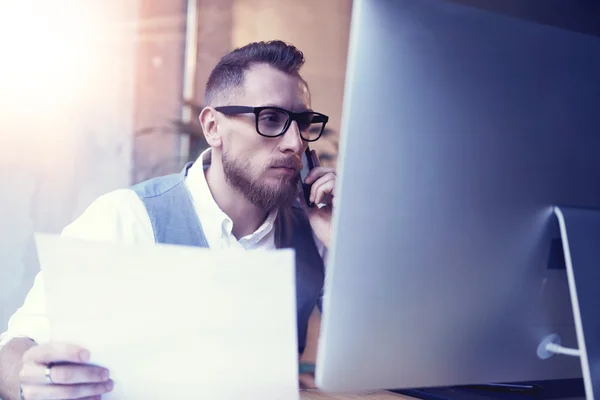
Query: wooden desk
[{"x": 378, "y": 395}]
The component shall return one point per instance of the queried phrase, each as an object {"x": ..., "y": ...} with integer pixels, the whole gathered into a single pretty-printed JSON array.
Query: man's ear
[{"x": 208, "y": 120}]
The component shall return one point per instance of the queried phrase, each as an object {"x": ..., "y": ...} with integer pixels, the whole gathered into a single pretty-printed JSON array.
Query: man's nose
[{"x": 291, "y": 140}]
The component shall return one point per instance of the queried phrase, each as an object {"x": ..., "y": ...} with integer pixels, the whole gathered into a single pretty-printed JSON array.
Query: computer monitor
[{"x": 463, "y": 129}]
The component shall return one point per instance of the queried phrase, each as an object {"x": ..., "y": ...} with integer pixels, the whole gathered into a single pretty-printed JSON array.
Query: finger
[
  {"x": 79, "y": 373},
  {"x": 324, "y": 193},
  {"x": 321, "y": 188},
  {"x": 64, "y": 374},
  {"x": 316, "y": 193},
  {"x": 56, "y": 352},
  {"x": 318, "y": 172},
  {"x": 56, "y": 392}
]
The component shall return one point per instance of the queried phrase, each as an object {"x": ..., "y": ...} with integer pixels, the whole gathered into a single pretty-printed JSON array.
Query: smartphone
[{"x": 307, "y": 165}]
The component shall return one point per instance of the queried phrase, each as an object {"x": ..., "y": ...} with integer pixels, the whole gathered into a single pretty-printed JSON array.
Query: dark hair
[{"x": 228, "y": 74}]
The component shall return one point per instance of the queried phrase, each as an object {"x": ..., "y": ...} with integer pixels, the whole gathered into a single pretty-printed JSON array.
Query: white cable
[{"x": 558, "y": 349}]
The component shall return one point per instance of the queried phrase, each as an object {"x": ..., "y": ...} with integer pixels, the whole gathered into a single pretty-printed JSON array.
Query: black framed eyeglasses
[{"x": 275, "y": 121}]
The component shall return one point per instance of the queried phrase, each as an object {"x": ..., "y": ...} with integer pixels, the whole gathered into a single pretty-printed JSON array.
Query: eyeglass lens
[{"x": 271, "y": 122}]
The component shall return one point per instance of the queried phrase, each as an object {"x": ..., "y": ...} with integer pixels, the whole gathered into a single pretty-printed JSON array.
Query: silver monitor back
[{"x": 462, "y": 128}]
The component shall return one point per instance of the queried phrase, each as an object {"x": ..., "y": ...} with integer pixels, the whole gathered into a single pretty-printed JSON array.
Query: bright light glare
[
  {"x": 55, "y": 56},
  {"x": 45, "y": 47}
]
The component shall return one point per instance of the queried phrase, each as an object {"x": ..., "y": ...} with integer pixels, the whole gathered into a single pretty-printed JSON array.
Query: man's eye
[{"x": 270, "y": 118}]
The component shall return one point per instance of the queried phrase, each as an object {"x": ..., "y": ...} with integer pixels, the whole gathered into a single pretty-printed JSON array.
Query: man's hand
[
  {"x": 60, "y": 371},
  {"x": 322, "y": 191}
]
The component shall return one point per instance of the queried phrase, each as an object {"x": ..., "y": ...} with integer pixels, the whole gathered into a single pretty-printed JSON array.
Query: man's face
[{"x": 265, "y": 170}]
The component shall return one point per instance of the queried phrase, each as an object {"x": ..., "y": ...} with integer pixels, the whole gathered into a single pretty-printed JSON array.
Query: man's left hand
[{"x": 322, "y": 192}]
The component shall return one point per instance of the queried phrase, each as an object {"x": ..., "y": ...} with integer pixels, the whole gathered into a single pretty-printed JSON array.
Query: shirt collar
[{"x": 209, "y": 210}]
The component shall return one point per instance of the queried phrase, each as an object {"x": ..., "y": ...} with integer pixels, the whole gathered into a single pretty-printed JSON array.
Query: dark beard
[{"x": 266, "y": 197}]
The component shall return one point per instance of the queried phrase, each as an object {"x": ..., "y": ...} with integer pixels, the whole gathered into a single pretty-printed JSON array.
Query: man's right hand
[{"x": 60, "y": 371}]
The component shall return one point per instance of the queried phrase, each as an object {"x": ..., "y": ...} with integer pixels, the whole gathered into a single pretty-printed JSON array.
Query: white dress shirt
[{"x": 121, "y": 216}]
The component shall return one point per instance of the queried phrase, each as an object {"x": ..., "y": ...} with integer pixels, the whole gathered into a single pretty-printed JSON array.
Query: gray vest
[{"x": 175, "y": 221}]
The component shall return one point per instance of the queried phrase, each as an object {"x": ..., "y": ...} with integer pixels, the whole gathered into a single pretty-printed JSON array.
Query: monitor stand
[{"x": 580, "y": 234}]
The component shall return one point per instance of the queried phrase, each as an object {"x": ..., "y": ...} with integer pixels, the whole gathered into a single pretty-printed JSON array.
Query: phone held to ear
[{"x": 307, "y": 165}]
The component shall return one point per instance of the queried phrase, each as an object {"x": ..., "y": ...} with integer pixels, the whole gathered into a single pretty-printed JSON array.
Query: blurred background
[{"x": 99, "y": 95}]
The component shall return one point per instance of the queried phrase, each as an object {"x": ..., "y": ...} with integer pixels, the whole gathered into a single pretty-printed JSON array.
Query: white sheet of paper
[{"x": 174, "y": 322}]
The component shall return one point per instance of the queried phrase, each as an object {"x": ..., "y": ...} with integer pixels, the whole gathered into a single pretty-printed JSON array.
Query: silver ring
[{"x": 48, "y": 374}]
